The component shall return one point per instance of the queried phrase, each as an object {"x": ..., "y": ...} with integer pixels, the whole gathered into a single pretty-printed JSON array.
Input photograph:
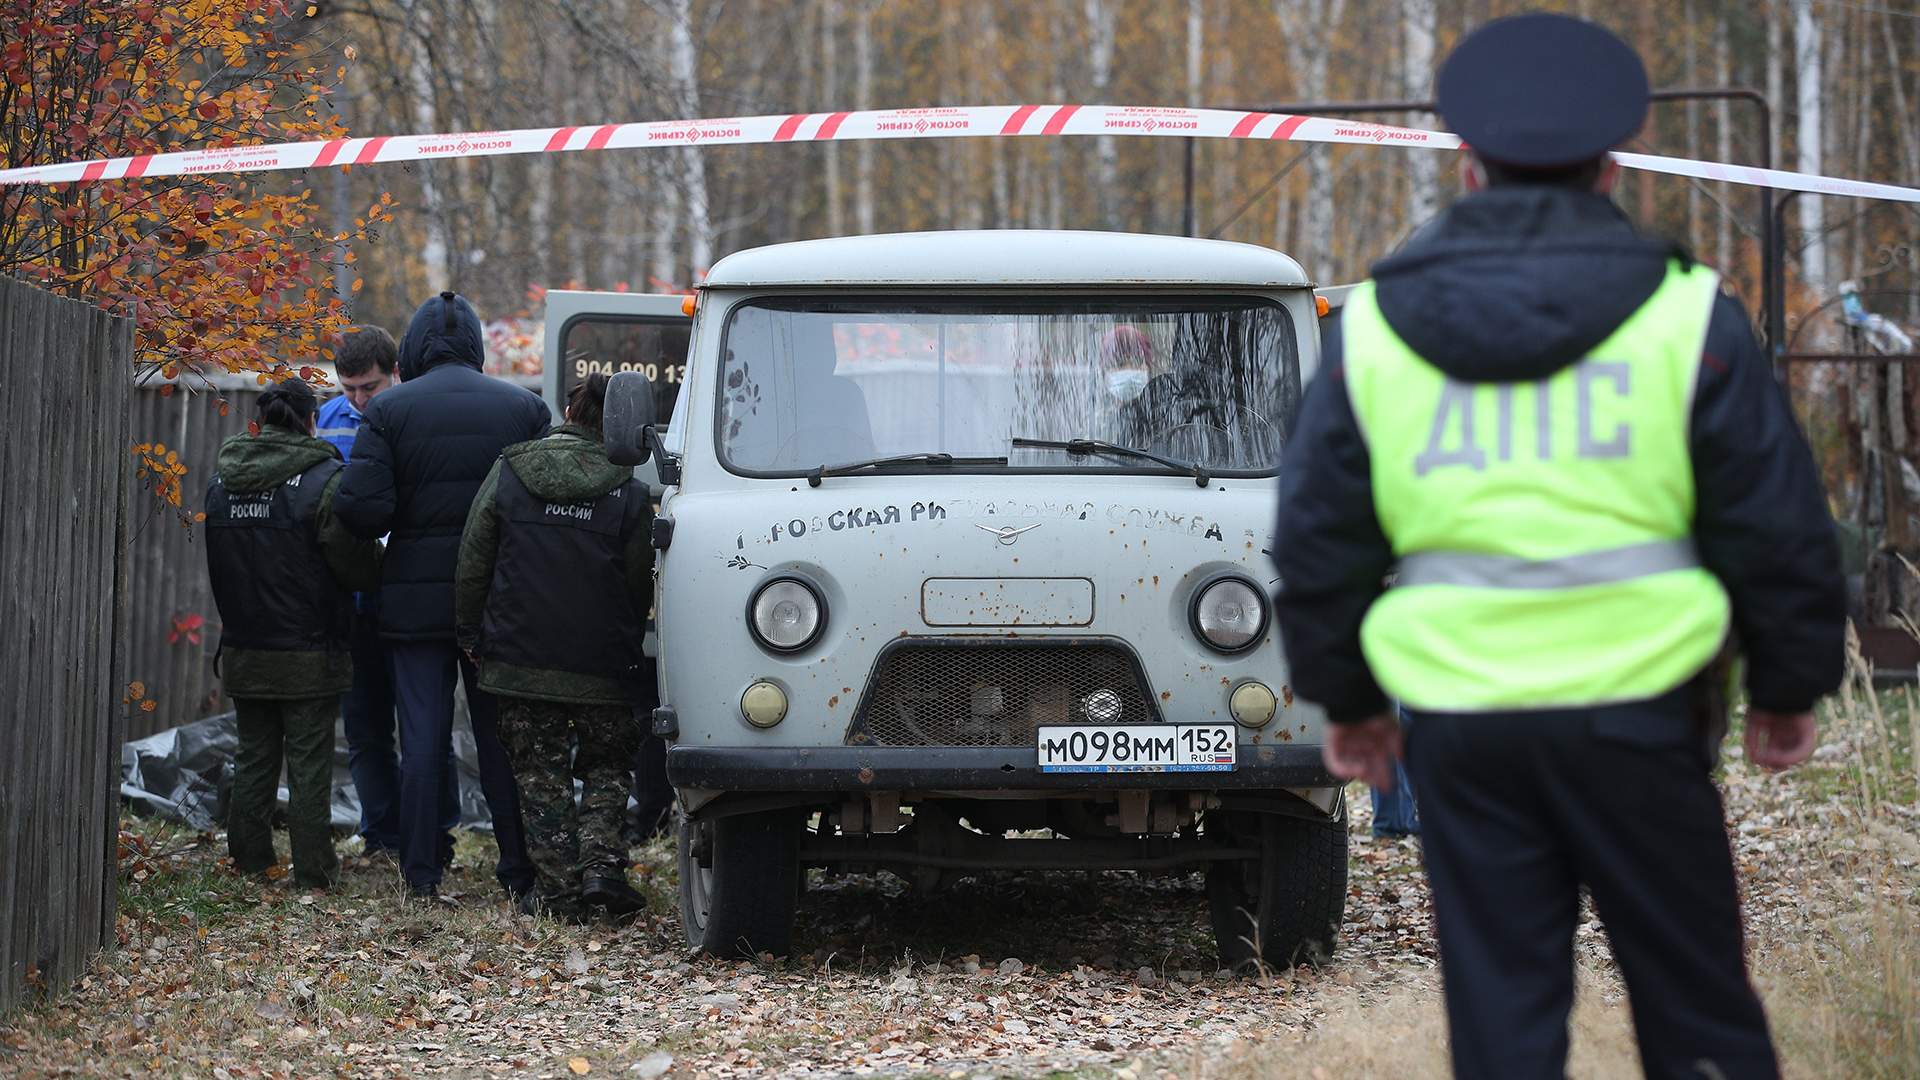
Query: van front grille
[{"x": 964, "y": 692}]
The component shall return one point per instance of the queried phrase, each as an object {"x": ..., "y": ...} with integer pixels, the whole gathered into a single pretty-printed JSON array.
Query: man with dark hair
[
  {"x": 1563, "y": 441},
  {"x": 364, "y": 361},
  {"x": 422, "y": 451}
]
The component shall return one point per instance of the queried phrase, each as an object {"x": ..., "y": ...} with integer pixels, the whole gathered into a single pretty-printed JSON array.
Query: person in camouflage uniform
[
  {"x": 283, "y": 572},
  {"x": 550, "y": 597}
]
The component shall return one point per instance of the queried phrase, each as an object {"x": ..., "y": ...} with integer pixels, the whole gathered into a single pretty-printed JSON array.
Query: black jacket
[
  {"x": 421, "y": 453},
  {"x": 281, "y": 567},
  {"x": 1514, "y": 284}
]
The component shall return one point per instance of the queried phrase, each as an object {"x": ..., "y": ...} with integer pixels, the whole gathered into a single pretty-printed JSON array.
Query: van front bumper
[{"x": 966, "y": 768}]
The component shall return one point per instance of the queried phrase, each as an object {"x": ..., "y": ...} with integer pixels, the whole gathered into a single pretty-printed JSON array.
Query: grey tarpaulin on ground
[{"x": 185, "y": 773}]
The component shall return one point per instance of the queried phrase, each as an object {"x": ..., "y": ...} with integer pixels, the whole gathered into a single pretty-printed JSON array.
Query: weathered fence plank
[
  {"x": 169, "y": 565},
  {"x": 65, "y": 373}
]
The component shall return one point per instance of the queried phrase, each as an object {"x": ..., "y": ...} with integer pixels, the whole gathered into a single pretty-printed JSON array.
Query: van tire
[
  {"x": 1286, "y": 907},
  {"x": 740, "y": 882}
]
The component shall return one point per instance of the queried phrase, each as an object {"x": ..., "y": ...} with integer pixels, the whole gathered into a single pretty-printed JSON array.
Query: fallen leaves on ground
[{"x": 1109, "y": 975}]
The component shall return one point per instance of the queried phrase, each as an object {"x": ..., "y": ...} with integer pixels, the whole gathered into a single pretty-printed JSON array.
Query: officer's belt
[{"x": 1485, "y": 571}]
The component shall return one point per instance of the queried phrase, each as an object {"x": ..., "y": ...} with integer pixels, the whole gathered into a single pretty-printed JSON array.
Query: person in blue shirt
[{"x": 365, "y": 361}]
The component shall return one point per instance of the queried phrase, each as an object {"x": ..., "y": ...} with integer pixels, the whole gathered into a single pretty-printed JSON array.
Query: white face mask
[{"x": 1127, "y": 383}]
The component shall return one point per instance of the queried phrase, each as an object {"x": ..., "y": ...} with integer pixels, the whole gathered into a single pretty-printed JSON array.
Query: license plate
[{"x": 1125, "y": 748}]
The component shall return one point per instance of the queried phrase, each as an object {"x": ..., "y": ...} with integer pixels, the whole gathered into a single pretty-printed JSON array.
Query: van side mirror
[{"x": 626, "y": 419}]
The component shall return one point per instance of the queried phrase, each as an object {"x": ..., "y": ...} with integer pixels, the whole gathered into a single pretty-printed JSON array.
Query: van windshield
[{"x": 808, "y": 383}]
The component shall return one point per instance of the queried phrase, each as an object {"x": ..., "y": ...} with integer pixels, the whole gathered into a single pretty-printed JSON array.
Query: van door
[{"x": 607, "y": 332}]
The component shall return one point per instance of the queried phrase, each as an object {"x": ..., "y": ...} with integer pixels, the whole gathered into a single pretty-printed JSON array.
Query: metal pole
[
  {"x": 1777, "y": 312},
  {"x": 1187, "y": 224}
]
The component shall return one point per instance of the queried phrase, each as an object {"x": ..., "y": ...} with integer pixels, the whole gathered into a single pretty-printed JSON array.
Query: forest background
[
  {"x": 1844, "y": 77},
  {"x": 253, "y": 273}
]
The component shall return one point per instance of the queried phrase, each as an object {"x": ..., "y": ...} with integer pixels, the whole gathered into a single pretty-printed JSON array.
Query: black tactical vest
[
  {"x": 270, "y": 579},
  {"x": 559, "y": 598}
]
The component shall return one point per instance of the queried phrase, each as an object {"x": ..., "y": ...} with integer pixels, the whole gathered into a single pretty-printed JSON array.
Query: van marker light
[{"x": 930, "y": 123}]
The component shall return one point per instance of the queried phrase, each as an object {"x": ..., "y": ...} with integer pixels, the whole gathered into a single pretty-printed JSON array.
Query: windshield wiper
[
  {"x": 1082, "y": 447},
  {"x": 820, "y": 472}
]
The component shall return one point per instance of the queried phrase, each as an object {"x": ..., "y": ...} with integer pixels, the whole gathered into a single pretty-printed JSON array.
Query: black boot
[{"x": 611, "y": 891}]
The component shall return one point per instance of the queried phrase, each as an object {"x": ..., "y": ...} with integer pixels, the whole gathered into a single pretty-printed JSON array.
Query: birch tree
[
  {"x": 1100, "y": 34},
  {"x": 1308, "y": 28},
  {"x": 1809, "y": 92},
  {"x": 1419, "y": 20}
]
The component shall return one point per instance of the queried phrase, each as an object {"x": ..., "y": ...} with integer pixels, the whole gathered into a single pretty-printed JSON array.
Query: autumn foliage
[{"x": 221, "y": 273}]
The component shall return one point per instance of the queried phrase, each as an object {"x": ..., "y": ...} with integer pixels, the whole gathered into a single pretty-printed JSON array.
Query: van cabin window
[
  {"x": 607, "y": 345},
  {"x": 807, "y": 383}
]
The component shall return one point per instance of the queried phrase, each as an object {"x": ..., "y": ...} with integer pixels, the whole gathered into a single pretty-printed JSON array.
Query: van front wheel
[
  {"x": 739, "y": 882},
  {"x": 1284, "y": 908}
]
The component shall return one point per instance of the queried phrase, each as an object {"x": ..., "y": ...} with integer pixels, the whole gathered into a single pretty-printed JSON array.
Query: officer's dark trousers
[
  {"x": 1517, "y": 813},
  {"x": 423, "y": 680},
  {"x": 367, "y": 714},
  {"x": 300, "y": 733}
]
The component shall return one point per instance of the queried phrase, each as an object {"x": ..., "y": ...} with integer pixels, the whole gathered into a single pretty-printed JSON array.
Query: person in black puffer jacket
[{"x": 419, "y": 458}]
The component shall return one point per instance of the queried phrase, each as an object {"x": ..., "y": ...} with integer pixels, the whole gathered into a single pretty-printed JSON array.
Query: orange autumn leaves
[{"x": 220, "y": 274}]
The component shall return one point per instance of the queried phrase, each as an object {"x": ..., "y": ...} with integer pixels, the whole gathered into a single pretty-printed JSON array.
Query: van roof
[{"x": 1008, "y": 257}]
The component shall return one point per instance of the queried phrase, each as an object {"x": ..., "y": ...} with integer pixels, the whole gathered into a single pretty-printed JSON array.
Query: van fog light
[
  {"x": 1251, "y": 704},
  {"x": 1102, "y": 706},
  {"x": 764, "y": 704}
]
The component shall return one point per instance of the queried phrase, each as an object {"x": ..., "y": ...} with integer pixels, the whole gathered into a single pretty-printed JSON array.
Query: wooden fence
[
  {"x": 64, "y": 383},
  {"x": 172, "y": 601}
]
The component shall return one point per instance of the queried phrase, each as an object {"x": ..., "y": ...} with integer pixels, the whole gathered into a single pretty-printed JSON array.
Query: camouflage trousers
[
  {"x": 550, "y": 746},
  {"x": 300, "y": 733}
]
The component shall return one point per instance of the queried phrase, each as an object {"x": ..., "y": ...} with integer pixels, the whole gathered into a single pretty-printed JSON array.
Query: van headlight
[
  {"x": 786, "y": 614},
  {"x": 1229, "y": 613}
]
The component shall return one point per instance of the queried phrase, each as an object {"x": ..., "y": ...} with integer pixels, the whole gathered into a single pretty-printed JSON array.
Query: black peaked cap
[{"x": 1543, "y": 91}]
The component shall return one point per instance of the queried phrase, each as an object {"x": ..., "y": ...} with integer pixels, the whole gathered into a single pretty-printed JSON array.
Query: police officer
[
  {"x": 1564, "y": 439},
  {"x": 551, "y": 595},
  {"x": 283, "y": 572}
]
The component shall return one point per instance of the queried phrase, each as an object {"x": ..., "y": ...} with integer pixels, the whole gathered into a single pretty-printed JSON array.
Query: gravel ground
[{"x": 1022, "y": 975}]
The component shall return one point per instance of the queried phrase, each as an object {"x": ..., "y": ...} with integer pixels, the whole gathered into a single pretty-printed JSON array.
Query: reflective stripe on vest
[
  {"x": 1566, "y": 572},
  {"x": 1543, "y": 528}
]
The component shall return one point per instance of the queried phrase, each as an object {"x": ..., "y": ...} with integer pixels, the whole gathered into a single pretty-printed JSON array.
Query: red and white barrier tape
[{"x": 937, "y": 123}]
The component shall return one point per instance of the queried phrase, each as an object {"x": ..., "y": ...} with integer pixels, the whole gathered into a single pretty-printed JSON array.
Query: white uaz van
[{"x": 963, "y": 565}]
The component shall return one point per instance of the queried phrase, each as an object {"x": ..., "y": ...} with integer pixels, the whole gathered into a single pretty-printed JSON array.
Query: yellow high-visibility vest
[{"x": 1543, "y": 529}]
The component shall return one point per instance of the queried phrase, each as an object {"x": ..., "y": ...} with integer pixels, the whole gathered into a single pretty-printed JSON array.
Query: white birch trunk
[
  {"x": 830, "y": 79},
  {"x": 1100, "y": 35},
  {"x": 863, "y": 99},
  {"x": 1808, "y": 140},
  {"x": 1308, "y": 28},
  {"x": 433, "y": 249},
  {"x": 1776, "y": 82},
  {"x": 1419, "y": 24},
  {"x": 1723, "y": 132},
  {"x": 684, "y": 78},
  {"x": 1690, "y": 73},
  {"x": 1196, "y": 48}
]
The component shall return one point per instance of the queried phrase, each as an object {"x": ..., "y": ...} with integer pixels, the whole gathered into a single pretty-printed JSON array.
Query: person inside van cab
[
  {"x": 554, "y": 582},
  {"x": 283, "y": 571}
]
